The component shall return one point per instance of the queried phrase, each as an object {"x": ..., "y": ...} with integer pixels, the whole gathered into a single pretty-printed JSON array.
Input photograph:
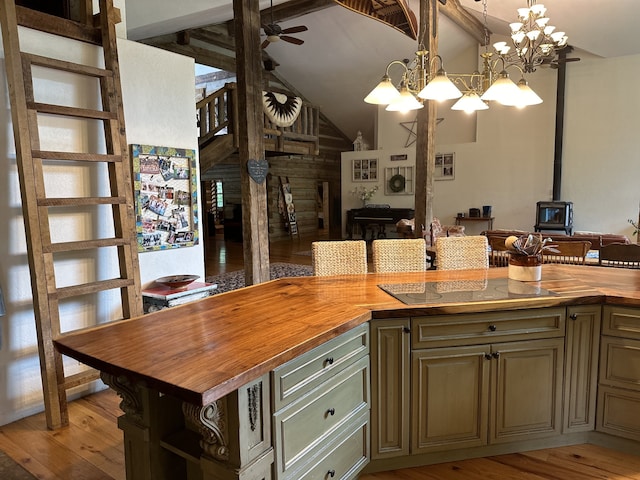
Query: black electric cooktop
[{"x": 455, "y": 291}]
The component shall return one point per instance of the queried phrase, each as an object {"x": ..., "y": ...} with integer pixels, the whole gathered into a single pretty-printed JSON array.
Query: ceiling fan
[{"x": 275, "y": 32}]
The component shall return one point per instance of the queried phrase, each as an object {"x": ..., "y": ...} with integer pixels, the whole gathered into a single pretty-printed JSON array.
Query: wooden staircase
[
  {"x": 108, "y": 171},
  {"x": 218, "y": 125}
]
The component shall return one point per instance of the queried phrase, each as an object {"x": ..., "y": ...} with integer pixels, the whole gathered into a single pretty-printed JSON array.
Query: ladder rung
[
  {"x": 71, "y": 111},
  {"x": 93, "y": 287},
  {"x": 59, "y": 26},
  {"x": 66, "y": 66},
  {"x": 81, "y": 378},
  {"x": 83, "y": 245},
  {"x": 75, "y": 156},
  {"x": 80, "y": 201}
]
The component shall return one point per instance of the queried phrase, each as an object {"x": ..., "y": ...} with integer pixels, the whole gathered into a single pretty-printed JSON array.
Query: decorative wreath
[{"x": 396, "y": 183}]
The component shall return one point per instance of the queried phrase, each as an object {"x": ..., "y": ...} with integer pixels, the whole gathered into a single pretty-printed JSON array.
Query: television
[{"x": 554, "y": 216}]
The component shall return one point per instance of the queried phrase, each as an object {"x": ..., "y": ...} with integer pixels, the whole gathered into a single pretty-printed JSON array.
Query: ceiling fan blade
[
  {"x": 293, "y": 40},
  {"x": 265, "y": 44},
  {"x": 300, "y": 28}
]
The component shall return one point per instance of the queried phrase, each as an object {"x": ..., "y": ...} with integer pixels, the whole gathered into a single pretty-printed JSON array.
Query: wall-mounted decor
[
  {"x": 396, "y": 158},
  {"x": 445, "y": 166},
  {"x": 398, "y": 180},
  {"x": 365, "y": 170},
  {"x": 166, "y": 186}
]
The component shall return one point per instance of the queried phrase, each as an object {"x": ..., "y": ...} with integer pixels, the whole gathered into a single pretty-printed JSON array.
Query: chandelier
[{"x": 534, "y": 42}]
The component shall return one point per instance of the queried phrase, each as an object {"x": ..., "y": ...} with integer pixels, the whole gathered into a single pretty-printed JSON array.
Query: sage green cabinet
[
  {"x": 450, "y": 398},
  {"x": 486, "y": 394},
  {"x": 322, "y": 409},
  {"x": 448, "y": 382},
  {"x": 619, "y": 378},
  {"x": 581, "y": 369},
  {"x": 390, "y": 383}
]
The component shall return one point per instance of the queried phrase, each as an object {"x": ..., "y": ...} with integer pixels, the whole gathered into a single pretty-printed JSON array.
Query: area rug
[
  {"x": 10, "y": 470},
  {"x": 233, "y": 280}
]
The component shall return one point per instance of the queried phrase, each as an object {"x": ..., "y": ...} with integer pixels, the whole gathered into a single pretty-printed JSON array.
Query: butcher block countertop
[{"x": 204, "y": 350}]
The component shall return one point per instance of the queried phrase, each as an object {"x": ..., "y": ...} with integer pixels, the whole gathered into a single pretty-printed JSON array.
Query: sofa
[{"x": 597, "y": 239}]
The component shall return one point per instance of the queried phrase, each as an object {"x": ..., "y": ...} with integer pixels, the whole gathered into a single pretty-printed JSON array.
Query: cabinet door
[
  {"x": 450, "y": 392},
  {"x": 526, "y": 390},
  {"x": 390, "y": 342},
  {"x": 581, "y": 370}
]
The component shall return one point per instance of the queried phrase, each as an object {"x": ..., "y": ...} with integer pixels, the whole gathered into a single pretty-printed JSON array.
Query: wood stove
[{"x": 554, "y": 216}]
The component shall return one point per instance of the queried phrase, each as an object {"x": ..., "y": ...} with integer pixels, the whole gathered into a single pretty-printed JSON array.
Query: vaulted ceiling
[{"x": 344, "y": 53}]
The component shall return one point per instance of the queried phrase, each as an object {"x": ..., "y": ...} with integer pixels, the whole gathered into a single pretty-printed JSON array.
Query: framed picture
[
  {"x": 365, "y": 170},
  {"x": 165, "y": 182},
  {"x": 445, "y": 166},
  {"x": 398, "y": 180}
]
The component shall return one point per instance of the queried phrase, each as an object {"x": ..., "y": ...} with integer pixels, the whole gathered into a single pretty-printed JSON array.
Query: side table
[
  {"x": 488, "y": 220},
  {"x": 160, "y": 297}
]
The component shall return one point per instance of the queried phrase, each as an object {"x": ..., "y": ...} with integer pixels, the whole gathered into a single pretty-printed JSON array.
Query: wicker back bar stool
[
  {"x": 339, "y": 257},
  {"x": 399, "y": 255}
]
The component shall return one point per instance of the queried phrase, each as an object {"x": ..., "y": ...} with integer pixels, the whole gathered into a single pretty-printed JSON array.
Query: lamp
[
  {"x": 534, "y": 40},
  {"x": 469, "y": 103},
  {"x": 416, "y": 81}
]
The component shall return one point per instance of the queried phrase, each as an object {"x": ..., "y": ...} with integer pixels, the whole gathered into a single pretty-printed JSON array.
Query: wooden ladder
[{"x": 109, "y": 172}]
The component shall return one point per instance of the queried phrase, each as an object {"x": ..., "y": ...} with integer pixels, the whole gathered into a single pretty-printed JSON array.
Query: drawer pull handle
[
  {"x": 331, "y": 411},
  {"x": 406, "y": 330},
  {"x": 329, "y": 361},
  {"x": 573, "y": 316},
  {"x": 493, "y": 328},
  {"x": 487, "y": 356},
  {"x": 495, "y": 354},
  {"x": 331, "y": 473}
]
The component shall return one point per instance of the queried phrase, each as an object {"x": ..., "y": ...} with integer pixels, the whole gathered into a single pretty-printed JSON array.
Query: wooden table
[
  {"x": 197, "y": 363},
  {"x": 487, "y": 220}
]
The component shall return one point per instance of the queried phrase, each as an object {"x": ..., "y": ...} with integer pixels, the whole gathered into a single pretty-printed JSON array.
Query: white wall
[
  {"x": 510, "y": 164},
  {"x": 159, "y": 109}
]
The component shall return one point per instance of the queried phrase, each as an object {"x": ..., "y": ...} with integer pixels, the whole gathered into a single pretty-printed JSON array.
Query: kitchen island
[{"x": 223, "y": 386}]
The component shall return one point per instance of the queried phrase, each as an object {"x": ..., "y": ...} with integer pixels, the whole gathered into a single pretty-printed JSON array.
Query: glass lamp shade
[
  {"x": 503, "y": 90},
  {"x": 405, "y": 102},
  {"x": 440, "y": 88},
  {"x": 526, "y": 98},
  {"x": 384, "y": 93},
  {"x": 469, "y": 103}
]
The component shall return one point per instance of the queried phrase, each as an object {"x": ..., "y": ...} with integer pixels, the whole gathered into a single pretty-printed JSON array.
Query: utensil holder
[{"x": 525, "y": 268}]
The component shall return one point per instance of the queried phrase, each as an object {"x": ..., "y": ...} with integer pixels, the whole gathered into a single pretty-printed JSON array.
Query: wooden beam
[
  {"x": 202, "y": 55},
  {"x": 426, "y": 125},
  {"x": 465, "y": 20},
  {"x": 255, "y": 235}
]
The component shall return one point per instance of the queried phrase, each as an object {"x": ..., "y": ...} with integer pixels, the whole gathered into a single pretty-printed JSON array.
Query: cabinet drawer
[
  {"x": 343, "y": 460},
  {"x": 619, "y": 412},
  {"x": 306, "y": 425},
  {"x": 621, "y": 321},
  {"x": 302, "y": 374},
  {"x": 620, "y": 363},
  {"x": 469, "y": 329}
]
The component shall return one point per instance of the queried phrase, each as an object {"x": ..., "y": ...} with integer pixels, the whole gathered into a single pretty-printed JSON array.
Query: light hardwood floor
[{"x": 91, "y": 447}]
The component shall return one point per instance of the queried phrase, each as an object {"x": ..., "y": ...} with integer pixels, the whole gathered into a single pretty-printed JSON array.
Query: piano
[{"x": 377, "y": 215}]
